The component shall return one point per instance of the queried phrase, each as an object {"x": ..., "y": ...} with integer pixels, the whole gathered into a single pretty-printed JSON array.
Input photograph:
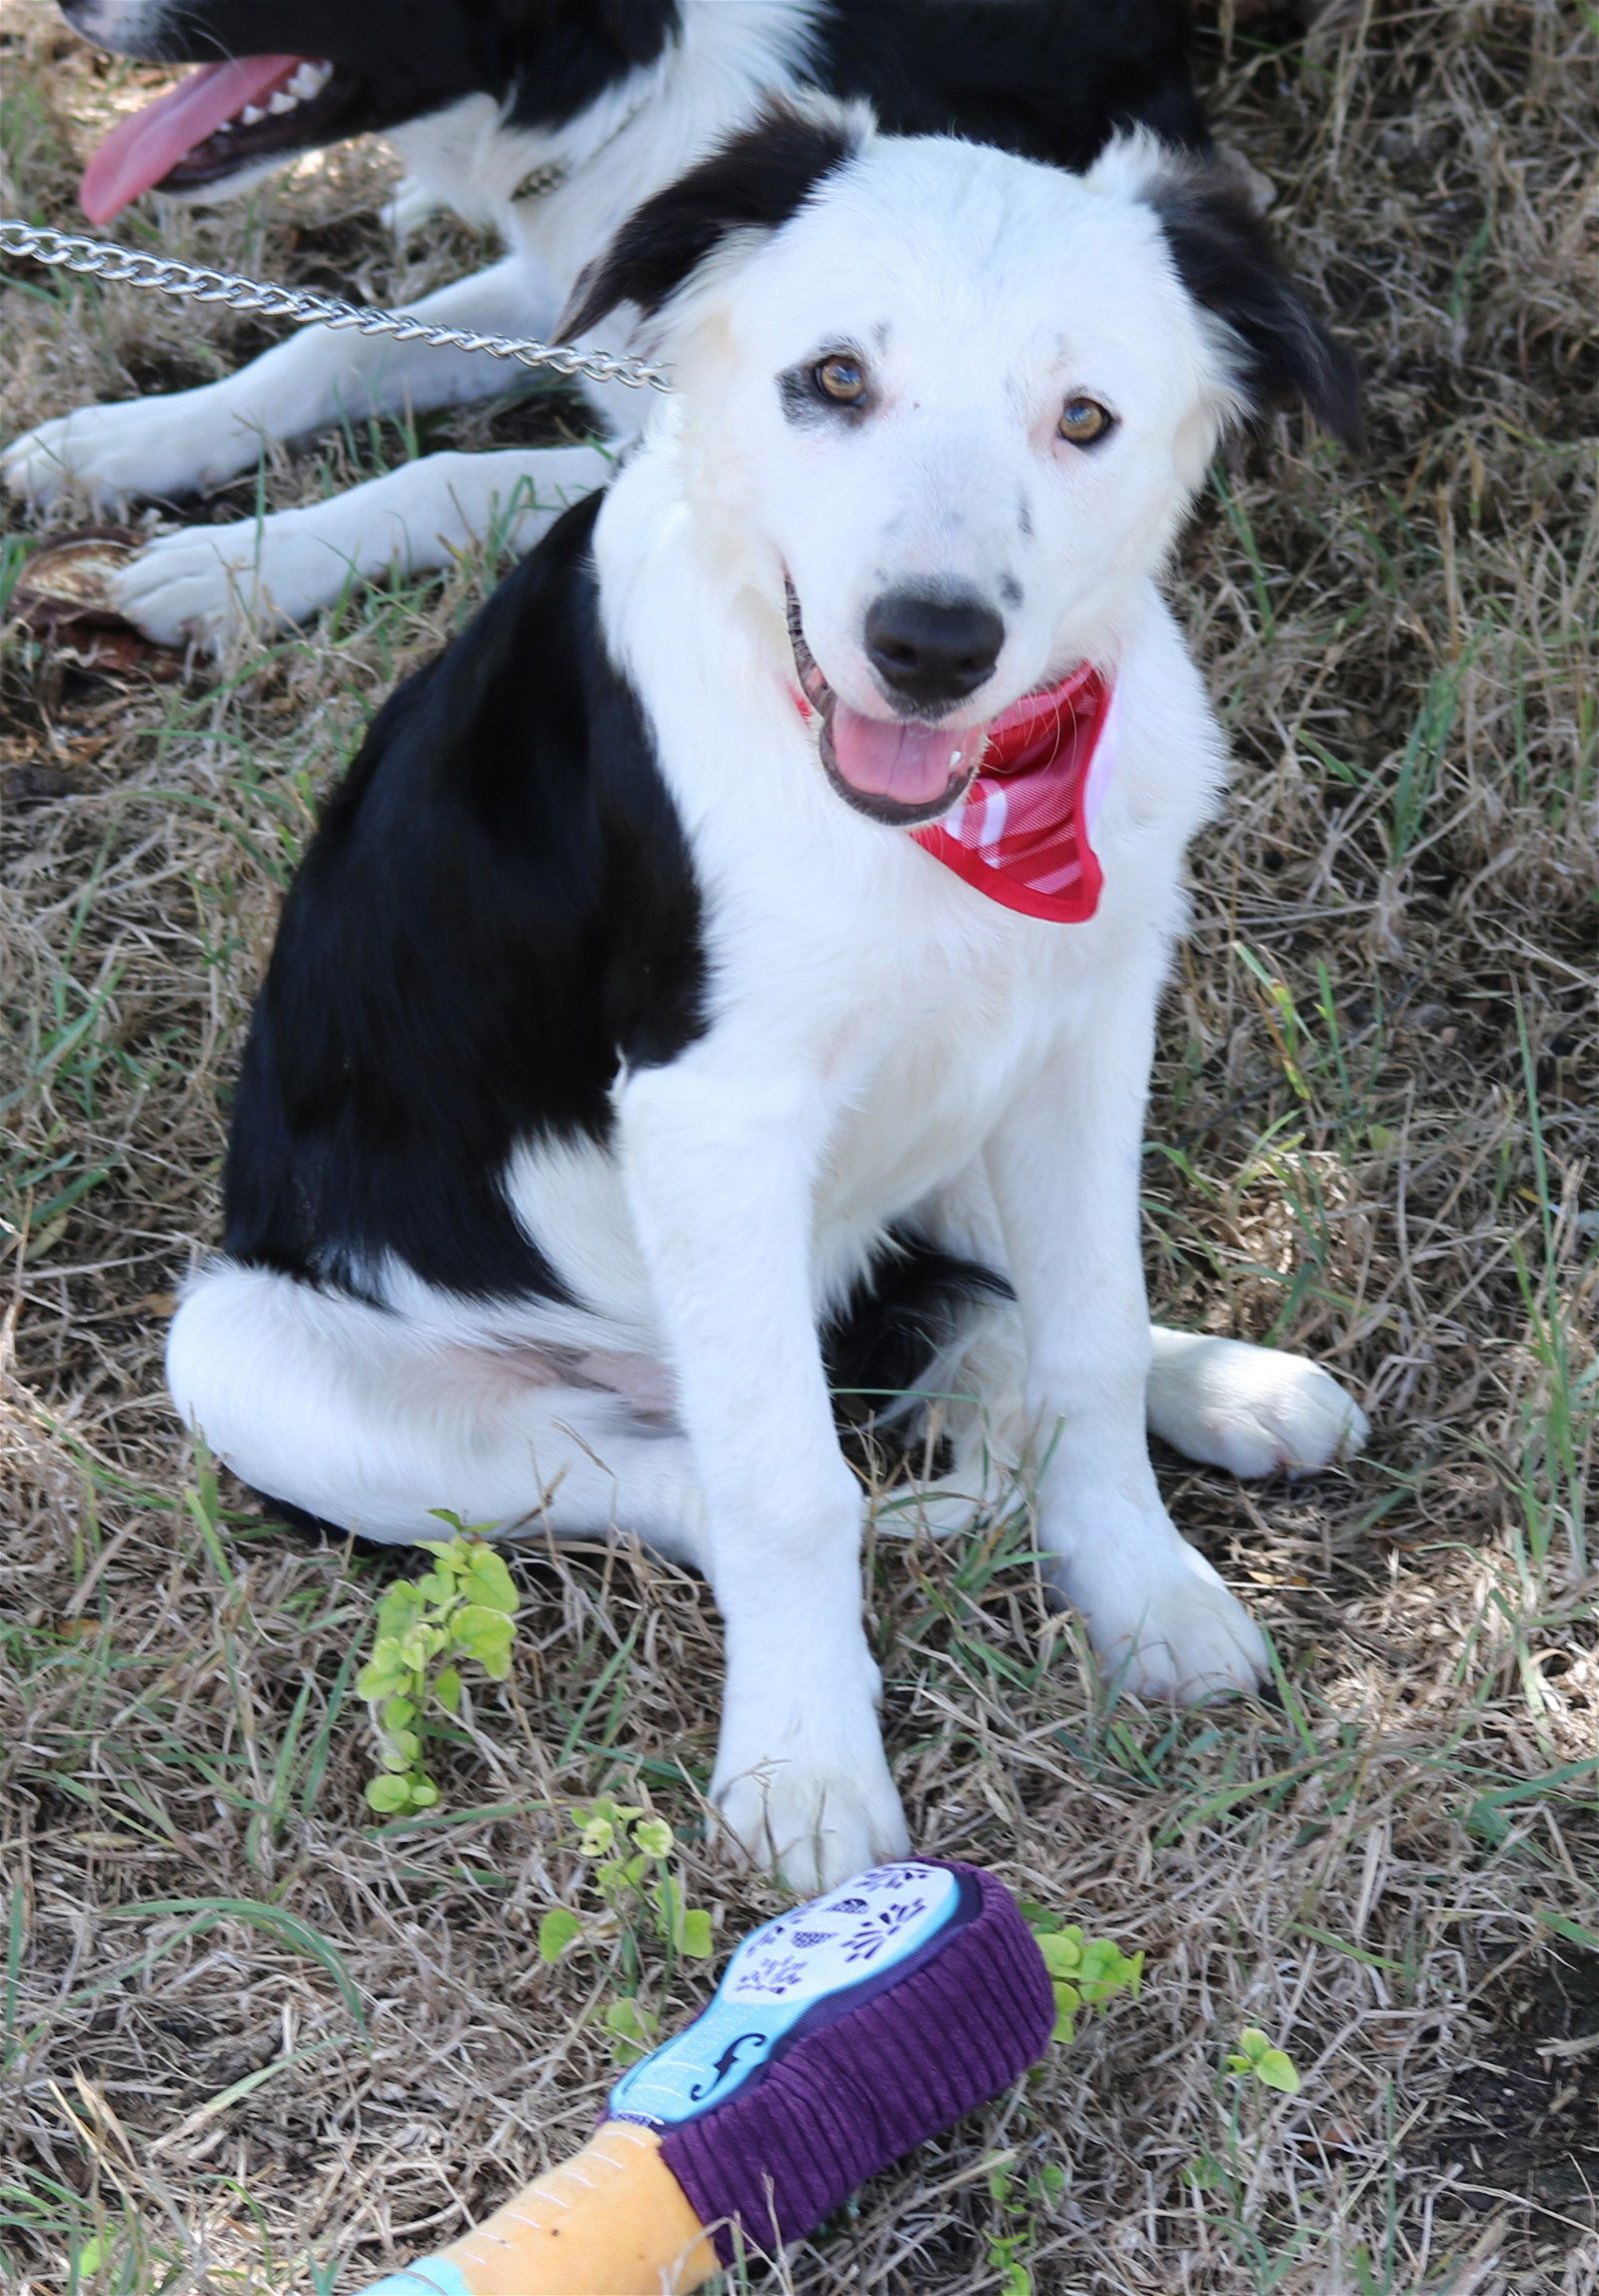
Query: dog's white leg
[
  {"x": 719, "y": 1172},
  {"x": 196, "y": 439},
  {"x": 209, "y": 582},
  {"x": 1064, "y": 1169}
]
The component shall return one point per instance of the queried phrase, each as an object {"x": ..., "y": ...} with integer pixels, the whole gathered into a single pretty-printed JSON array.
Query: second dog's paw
[
  {"x": 205, "y": 585},
  {"x": 1254, "y": 1410},
  {"x": 816, "y": 1819},
  {"x": 1162, "y": 1623},
  {"x": 116, "y": 454}
]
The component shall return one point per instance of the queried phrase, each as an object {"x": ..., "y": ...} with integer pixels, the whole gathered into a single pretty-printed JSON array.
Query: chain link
[{"x": 125, "y": 267}]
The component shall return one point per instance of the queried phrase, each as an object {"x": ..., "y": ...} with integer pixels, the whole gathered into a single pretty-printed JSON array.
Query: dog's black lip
[
  {"x": 336, "y": 113},
  {"x": 885, "y": 809}
]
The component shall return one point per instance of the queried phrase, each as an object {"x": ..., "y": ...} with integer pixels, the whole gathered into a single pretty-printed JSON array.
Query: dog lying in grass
[
  {"x": 550, "y": 120},
  {"x": 729, "y": 971}
]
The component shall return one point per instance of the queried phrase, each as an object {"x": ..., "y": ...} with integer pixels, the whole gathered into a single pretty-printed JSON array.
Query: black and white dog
[
  {"x": 551, "y": 120},
  {"x": 729, "y": 970}
]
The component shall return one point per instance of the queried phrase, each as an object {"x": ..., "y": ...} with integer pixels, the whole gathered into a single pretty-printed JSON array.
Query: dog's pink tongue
[
  {"x": 142, "y": 150},
  {"x": 913, "y": 765}
]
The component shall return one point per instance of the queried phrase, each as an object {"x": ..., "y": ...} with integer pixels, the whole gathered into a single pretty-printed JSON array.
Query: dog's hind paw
[{"x": 1254, "y": 1410}]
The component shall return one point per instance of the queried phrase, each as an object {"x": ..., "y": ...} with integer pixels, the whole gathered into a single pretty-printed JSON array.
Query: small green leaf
[
  {"x": 424, "y": 1793},
  {"x": 654, "y": 1836},
  {"x": 559, "y": 1931},
  {"x": 596, "y": 1838},
  {"x": 696, "y": 1937},
  {"x": 634, "y": 2028},
  {"x": 388, "y": 1793},
  {"x": 1273, "y": 2066},
  {"x": 450, "y": 1554},
  {"x": 378, "y": 1681},
  {"x": 447, "y": 1689},
  {"x": 484, "y": 1635},
  {"x": 1063, "y": 1955},
  {"x": 92, "y": 2255},
  {"x": 487, "y": 1582},
  {"x": 398, "y": 1712},
  {"x": 398, "y": 1612}
]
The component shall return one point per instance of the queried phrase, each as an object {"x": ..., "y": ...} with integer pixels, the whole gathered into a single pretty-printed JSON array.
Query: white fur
[{"x": 883, "y": 1042}]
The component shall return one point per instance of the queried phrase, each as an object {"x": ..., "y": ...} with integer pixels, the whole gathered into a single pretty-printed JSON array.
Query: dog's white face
[
  {"x": 959, "y": 400},
  {"x": 963, "y": 399}
]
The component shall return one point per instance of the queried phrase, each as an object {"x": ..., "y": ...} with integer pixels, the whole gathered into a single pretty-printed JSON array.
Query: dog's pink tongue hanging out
[{"x": 143, "y": 151}]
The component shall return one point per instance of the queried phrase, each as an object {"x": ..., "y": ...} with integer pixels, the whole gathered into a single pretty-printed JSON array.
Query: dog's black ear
[
  {"x": 1229, "y": 263},
  {"x": 755, "y": 182}
]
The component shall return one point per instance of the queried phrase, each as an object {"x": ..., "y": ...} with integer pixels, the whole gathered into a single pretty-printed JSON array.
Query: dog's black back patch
[
  {"x": 497, "y": 909},
  {"x": 1048, "y": 79}
]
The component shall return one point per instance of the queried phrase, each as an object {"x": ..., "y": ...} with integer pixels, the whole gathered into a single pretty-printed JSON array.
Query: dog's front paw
[
  {"x": 1162, "y": 1623},
  {"x": 816, "y": 1815},
  {"x": 1254, "y": 1410},
  {"x": 114, "y": 455},
  {"x": 204, "y": 585}
]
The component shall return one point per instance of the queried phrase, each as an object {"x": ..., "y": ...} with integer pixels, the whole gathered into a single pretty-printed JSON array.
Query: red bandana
[{"x": 1021, "y": 833}]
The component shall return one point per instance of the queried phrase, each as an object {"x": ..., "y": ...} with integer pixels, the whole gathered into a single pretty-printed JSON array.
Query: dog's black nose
[{"x": 932, "y": 651}]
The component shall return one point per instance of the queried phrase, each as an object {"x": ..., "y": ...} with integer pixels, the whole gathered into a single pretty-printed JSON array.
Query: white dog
[{"x": 731, "y": 970}]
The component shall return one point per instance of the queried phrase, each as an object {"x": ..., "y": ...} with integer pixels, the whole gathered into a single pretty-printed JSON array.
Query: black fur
[
  {"x": 397, "y": 60},
  {"x": 1230, "y": 264},
  {"x": 1050, "y": 79},
  {"x": 498, "y": 909},
  {"x": 910, "y": 1304},
  {"x": 753, "y": 182}
]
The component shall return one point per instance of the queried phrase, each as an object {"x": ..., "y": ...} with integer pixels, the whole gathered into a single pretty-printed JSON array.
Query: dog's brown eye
[
  {"x": 1084, "y": 420},
  {"x": 841, "y": 379}
]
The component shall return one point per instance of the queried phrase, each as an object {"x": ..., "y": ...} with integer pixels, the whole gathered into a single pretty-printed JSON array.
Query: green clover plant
[
  {"x": 641, "y": 1908},
  {"x": 1085, "y": 1973},
  {"x": 1260, "y": 2060},
  {"x": 461, "y": 1611}
]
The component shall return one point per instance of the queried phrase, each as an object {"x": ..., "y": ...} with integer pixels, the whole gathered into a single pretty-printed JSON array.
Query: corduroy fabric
[{"x": 859, "y": 2093}]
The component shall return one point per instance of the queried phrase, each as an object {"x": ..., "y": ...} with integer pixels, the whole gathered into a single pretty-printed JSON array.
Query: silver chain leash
[{"x": 304, "y": 306}]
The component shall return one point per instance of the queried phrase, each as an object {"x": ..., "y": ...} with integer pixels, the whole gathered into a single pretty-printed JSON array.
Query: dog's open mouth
[
  {"x": 900, "y": 771},
  {"x": 221, "y": 118}
]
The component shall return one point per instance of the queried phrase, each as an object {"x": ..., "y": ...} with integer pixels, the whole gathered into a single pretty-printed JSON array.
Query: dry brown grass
[{"x": 1376, "y": 1114}]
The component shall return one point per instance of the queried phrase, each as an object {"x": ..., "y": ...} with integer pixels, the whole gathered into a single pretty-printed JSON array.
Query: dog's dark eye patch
[{"x": 806, "y": 397}]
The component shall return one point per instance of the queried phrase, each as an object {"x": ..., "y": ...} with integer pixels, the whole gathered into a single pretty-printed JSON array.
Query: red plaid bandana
[{"x": 1021, "y": 833}]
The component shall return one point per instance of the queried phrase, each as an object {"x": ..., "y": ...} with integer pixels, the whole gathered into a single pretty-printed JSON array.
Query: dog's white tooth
[
  {"x": 315, "y": 78},
  {"x": 282, "y": 102},
  {"x": 251, "y": 114}
]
